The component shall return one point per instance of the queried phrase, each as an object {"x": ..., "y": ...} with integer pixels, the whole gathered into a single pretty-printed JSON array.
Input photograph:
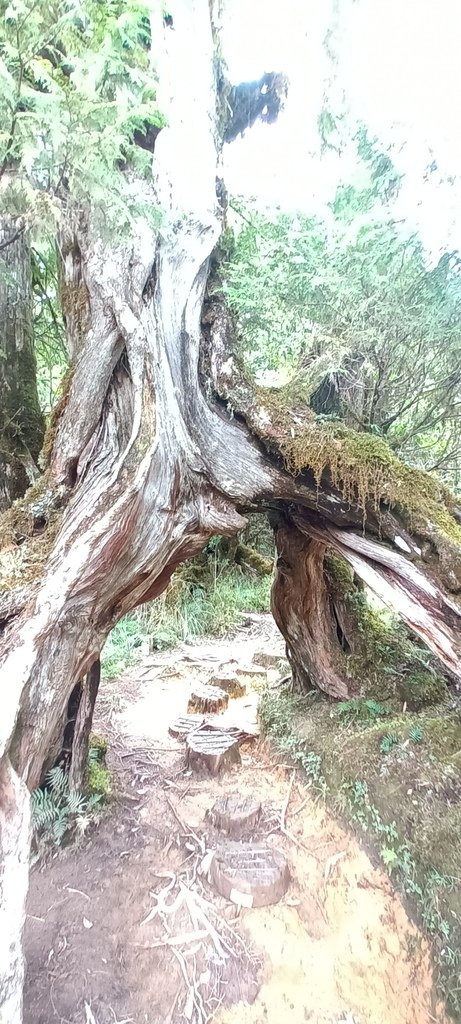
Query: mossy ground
[{"x": 396, "y": 777}]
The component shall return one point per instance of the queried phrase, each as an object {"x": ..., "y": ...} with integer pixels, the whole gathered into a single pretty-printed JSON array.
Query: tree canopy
[
  {"x": 76, "y": 85},
  {"x": 349, "y": 308}
]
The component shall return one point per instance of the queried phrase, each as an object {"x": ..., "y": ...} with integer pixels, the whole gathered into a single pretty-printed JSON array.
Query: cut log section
[
  {"x": 249, "y": 874},
  {"x": 211, "y": 749},
  {"x": 235, "y": 814},
  {"x": 205, "y": 699},
  {"x": 185, "y": 724},
  {"x": 229, "y": 682}
]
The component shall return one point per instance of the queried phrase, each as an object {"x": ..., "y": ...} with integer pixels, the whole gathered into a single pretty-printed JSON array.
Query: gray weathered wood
[
  {"x": 235, "y": 813},
  {"x": 250, "y": 874},
  {"x": 212, "y": 750},
  {"x": 207, "y": 699}
]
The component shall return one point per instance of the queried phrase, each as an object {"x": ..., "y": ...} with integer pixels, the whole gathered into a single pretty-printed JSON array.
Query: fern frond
[{"x": 57, "y": 781}]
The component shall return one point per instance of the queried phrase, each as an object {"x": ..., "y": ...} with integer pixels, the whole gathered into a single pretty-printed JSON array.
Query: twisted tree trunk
[{"x": 146, "y": 464}]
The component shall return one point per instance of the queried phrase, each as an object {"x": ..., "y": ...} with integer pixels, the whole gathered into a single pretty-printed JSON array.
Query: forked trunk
[
  {"x": 78, "y": 771},
  {"x": 147, "y": 464}
]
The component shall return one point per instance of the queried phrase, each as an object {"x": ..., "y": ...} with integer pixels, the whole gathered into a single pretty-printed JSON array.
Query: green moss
[
  {"x": 364, "y": 469},
  {"x": 98, "y": 772},
  {"x": 441, "y": 736},
  {"x": 422, "y": 689},
  {"x": 98, "y": 779},
  {"x": 340, "y": 576},
  {"x": 99, "y": 743},
  {"x": 360, "y": 465},
  {"x": 56, "y": 414},
  {"x": 249, "y": 556}
]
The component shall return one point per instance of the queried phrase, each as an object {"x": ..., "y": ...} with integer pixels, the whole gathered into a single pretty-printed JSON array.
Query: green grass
[
  {"x": 197, "y": 603},
  {"x": 122, "y": 647},
  {"x": 197, "y": 611}
]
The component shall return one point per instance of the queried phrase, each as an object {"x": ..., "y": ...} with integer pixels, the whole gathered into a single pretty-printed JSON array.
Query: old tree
[{"x": 159, "y": 441}]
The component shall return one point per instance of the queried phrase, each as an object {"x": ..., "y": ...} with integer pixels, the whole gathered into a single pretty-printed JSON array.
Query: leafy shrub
[
  {"x": 122, "y": 647},
  {"x": 210, "y": 607},
  {"x": 98, "y": 772}
]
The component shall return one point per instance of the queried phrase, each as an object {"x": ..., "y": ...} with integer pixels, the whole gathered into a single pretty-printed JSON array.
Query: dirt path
[{"x": 338, "y": 948}]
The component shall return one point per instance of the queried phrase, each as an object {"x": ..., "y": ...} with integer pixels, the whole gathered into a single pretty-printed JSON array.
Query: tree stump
[
  {"x": 209, "y": 748},
  {"x": 250, "y": 874},
  {"x": 234, "y": 813},
  {"x": 268, "y": 659},
  {"x": 185, "y": 724},
  {"x": 253, "y": 673},
  {"x": 229, "y": 682},
  {"x": 207, "y": 699}
]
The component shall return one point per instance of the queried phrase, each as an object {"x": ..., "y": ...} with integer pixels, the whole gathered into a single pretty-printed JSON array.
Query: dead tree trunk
[
  {"x": 21, "y": 420},
  {"x": 146, "y": 465}
]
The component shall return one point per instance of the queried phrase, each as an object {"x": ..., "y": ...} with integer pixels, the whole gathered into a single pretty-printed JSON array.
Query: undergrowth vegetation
[
  {"x": 206, "y": 597},
  {"x": 60, "y": 814},
  {"x": 394, "y": 777}
]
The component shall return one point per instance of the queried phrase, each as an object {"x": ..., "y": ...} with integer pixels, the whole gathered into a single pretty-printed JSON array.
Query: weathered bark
[
  {"x": 14, "y": 880},
  {"x": 301, "y": 608},
  {"x": 147, "y": 469},
  {"x": 425, "y": 608},
  {"x": 79, "y": 756},
  {"x": 21, "y": 420}
]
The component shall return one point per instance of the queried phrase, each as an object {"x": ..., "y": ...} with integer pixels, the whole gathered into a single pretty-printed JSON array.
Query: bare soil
[{"x": 339, "y": 947}]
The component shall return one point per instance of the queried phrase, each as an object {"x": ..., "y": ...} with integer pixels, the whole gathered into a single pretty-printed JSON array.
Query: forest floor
[{"x": 338, "y": 947}]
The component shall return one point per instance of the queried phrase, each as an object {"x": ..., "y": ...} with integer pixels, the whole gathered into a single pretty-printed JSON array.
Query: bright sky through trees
[{"x": 396, "y": 70}]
